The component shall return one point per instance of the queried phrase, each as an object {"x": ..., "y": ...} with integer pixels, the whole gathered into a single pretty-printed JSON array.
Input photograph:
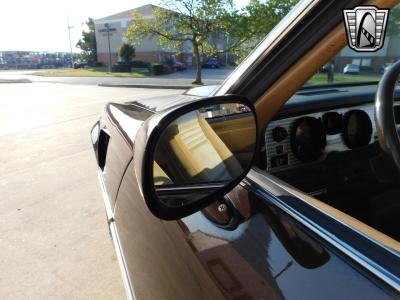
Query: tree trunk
[{"x": 196, "y": 53}]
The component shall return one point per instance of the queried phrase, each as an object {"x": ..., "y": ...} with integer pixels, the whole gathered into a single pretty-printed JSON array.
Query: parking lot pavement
[{"x": 54, "y": 240}]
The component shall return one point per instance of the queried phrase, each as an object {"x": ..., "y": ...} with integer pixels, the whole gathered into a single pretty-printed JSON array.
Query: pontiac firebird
[{"x": 264, "y": 187}]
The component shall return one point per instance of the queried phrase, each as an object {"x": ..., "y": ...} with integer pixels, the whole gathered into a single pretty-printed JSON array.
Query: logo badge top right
[{"x": 366, "y": 27}]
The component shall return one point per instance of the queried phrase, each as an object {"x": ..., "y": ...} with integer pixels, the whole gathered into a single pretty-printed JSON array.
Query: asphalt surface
[
  {"x": 54, "y": 238},
  {"x": 210, "y": 77}
]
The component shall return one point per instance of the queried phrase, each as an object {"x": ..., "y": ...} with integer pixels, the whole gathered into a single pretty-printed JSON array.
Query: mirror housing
[{"x": 146, "y": 148}]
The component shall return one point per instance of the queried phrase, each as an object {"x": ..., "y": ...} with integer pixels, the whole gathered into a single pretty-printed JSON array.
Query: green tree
[
  {"x": 184, "y": 21},
  {"x": 126, "y": 51},
  {"x": 88, "y": 42},
  {"x": 394, "y": 22},
  {"x": 257, "y": 19},
  {"x": 203, "y": 23}
]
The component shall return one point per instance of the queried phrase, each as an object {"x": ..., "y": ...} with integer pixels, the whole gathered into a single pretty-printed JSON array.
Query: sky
[{"x": 41, "y": 25}]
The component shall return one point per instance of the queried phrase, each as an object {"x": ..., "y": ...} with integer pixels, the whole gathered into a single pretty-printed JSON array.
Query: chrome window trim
[
  {"x": 260, "y": 177},
  {"x": 277, "y": 34},
  {"x": 130, "y": 293}
]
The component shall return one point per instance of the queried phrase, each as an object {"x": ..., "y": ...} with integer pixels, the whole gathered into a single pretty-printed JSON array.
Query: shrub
[
  {"x": 158, "y": 69},
  {"x": 366, "y": 68},
  {"x": 121, "y": 67},
  {"x": 140, "y": 64}
]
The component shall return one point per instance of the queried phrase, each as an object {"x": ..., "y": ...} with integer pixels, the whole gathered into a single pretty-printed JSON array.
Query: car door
[
  {"x": 271, "y": 254},
  {"x": 246, "y": 245},
  {"x": 267, "y": 255}
]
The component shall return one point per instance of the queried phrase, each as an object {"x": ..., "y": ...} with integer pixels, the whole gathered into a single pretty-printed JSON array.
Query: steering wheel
[{"x": 388, "y": 137}]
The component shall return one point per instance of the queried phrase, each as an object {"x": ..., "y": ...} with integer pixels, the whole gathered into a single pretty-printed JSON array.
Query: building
[{"x": 112, "y": 37}]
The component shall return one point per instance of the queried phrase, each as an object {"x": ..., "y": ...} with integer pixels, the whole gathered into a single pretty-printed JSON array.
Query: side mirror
[{"x": 188, "y": 156}]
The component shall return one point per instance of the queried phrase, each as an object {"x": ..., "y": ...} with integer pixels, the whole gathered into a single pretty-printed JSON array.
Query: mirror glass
[{"x": 203, "y": 151}]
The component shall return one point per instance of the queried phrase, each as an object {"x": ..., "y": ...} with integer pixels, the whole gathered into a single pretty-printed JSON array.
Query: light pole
[
  {"x": 106, "y": 25},
  {"x": 70, "y": 44}
]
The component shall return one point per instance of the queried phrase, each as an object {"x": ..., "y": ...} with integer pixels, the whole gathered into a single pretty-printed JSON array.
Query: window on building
[{"x": 366, "y": 62}]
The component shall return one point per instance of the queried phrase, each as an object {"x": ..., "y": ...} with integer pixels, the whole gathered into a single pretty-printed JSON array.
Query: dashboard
[{"x": 308, "y": 138}]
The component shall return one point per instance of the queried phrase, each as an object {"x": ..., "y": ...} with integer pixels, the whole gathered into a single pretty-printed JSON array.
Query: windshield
[{"x": 351, "y": 67}]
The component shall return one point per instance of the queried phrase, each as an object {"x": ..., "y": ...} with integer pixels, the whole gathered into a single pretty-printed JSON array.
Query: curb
[
  {"x": 149, "y": 86},
  {"x": 8, "y": 81}
]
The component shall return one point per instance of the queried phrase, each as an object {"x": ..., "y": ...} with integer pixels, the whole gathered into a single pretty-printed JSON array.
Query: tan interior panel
[
  {"x": 192, "y": 151},
  {"x": 238, "y": 134},
  {"x": 160, "y": 177}
]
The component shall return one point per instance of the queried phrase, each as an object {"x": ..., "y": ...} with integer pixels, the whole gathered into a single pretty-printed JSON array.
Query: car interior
[
  {"x": 321, "y": 145},
  {"x": 331, "y": 152}
]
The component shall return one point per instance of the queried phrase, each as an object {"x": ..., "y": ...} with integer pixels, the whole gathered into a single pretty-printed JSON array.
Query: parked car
[
  {"x": 178, "y": 66},
  {"x": 351, "y": 69},
  {"x": 264, "y": 188},
  {"x": 80, "y": 64},
  {"x": 212, "y": 63}
]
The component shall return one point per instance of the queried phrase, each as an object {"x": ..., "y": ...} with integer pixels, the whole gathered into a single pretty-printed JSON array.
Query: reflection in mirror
[{"x": 202, "y": 151}]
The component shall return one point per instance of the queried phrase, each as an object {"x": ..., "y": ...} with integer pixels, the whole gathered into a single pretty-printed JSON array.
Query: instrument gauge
[
  {"x": 307, "y": 139},
  {"x": 357, "y": 129}
]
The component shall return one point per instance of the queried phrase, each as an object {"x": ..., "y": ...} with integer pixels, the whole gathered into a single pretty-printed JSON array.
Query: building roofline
[{"x": 125, "y": 14}]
